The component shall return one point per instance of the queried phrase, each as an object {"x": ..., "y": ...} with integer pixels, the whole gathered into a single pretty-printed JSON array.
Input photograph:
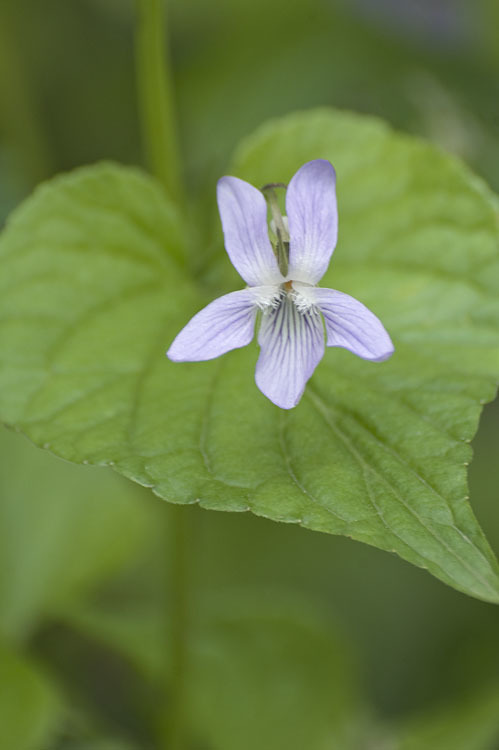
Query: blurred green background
[{"x": 297, "y": 640}]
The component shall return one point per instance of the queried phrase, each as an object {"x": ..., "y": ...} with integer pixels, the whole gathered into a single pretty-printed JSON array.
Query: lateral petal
[
  {"x": 351, "y": 325},
  {"x": 243, "y": 211},
  {"x": 226, "y": 323},
  {"x": 313, "y": 220},
  {"x": 292, "y": 345}
]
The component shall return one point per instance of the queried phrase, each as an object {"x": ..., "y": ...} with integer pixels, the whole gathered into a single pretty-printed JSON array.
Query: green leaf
[
  {"x": 29, "y": 706},
  {"x": 61, "y": 535},
  {"x": 95, "y": 288},
  {"x": 261, "y": 671}
]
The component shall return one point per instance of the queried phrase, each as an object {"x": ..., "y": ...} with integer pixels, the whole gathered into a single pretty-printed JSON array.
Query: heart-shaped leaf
[{"x": 94, "y": 288}]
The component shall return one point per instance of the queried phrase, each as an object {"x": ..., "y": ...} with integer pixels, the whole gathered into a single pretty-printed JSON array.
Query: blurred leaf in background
[
  {"x": 238, "y": 64},
  {"x": 264, "y": 670},
  {"x": 471, "y": 725},
  {"x": 30, "y": 709},
  {"x": 62, "y": 531}
]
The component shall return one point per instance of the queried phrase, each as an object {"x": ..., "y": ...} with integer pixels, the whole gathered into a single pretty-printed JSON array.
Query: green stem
[
  {"x": 156, "y": 96},
  {"x": 173, "y": 728},
  {"x": 19, "y": 115},
  {"x": 159, "y": 133}
]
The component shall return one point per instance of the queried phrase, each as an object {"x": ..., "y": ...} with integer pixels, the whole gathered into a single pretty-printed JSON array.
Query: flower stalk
[
  {"x": 159, "y": 132},
  {"x": 155, "y": 91},
  {"x": 173, "y": 725}
]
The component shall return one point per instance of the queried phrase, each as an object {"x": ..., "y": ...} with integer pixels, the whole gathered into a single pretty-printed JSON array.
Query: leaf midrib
[{"x": 323, "y": 409}]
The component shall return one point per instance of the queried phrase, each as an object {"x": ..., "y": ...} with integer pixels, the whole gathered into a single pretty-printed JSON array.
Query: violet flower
[{"x": 282, "y": 286}]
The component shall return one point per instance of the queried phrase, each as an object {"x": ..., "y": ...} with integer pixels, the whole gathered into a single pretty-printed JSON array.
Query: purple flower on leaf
[{"x": 281, "y": 283}]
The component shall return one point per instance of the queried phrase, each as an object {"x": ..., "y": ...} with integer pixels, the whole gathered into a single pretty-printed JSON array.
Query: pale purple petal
[
  {"x": 352, "y": 325},
  {"x": 313, "y": 220},
  {"x": 292, "y": 346},
  {"x": 226, "y": 323},
  {"x": 243, "y": 211}
]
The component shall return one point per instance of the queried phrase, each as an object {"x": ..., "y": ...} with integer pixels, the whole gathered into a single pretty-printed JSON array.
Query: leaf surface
[{"x": 95, "y": 288}]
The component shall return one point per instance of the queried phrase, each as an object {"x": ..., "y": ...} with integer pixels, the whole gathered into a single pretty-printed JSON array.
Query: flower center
[{"x": 300, "y": 299}]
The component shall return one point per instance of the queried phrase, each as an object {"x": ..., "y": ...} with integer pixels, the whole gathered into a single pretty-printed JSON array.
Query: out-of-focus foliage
[
  {"x": 472, "y": 725},
  {"x": 262, "y": 670},
  {"x": 106, "y": 650},
  {"x": 60, "y": 533},
  {"x": 29, "y": 706},
  {"x": 236, "y": 64},
  {"x": 427, "y": 66}
]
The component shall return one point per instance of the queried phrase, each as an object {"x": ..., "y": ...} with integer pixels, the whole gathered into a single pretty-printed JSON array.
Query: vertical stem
[
  {"x": 174, "y": 726},
  {"x": 156, "y": 96},
  {"x": 19, "y": 114},
  {"x": 159, "y": 132}
]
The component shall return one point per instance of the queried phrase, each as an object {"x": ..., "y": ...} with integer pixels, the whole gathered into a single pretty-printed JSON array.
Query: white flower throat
[{"x": 269, "y": 298}]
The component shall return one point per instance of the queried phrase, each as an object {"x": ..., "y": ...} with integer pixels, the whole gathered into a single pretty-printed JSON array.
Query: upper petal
[
  {"x": 292, "y": 346},
  {"x": 226, "y": 323},
  {"x": 313, "y": 220},
  {"x": 352, "y": 325},
  {"x": 243, "y": 211}
]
